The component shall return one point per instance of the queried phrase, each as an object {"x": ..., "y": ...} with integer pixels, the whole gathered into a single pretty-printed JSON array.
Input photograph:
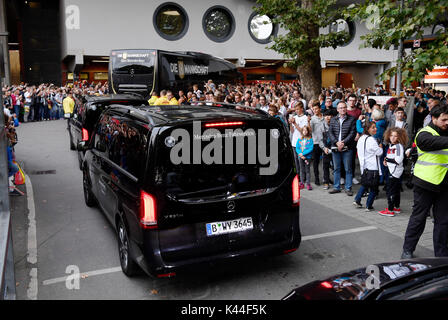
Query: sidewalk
[{"x": 396, "y": 225}]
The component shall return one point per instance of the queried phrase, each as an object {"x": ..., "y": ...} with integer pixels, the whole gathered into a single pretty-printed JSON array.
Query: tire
[
  {"x": 80, "y": 160},
  {"x": 89, "y": 198},
  {"x": 128, "y": 265},
  {"x": 72, "y": 146}
]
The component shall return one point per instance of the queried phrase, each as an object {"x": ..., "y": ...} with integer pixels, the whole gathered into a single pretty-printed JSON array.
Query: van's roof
[{"x": 164, "y": 114}]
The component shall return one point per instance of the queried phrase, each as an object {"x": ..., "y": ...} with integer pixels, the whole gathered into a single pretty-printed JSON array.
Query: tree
[
  {"x": 302, "y": 21},
  {"x": 391, "y": 22}
]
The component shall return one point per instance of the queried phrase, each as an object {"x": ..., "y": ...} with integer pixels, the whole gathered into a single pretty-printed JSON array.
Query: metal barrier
[{"x": 7, "y": 276}]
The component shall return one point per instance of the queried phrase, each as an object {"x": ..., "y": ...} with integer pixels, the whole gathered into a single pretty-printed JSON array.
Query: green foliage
[
  {"x": 302, "y": 20},
  {"x": 390, "y": 22}
]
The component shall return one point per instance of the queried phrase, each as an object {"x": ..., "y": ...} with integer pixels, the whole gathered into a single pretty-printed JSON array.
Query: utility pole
[{"x": 400, "y": 57}]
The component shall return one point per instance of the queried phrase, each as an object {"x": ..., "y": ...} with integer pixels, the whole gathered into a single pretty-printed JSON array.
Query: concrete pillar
[{"x": 4, "y": 42}]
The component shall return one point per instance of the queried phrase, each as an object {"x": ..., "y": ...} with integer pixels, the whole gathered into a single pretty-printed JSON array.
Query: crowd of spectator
[{"x": 335, "y": 128}]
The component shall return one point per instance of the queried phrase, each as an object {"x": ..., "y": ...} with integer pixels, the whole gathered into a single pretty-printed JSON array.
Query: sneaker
[
  {"x": 309, "y": 187},
  {"x": 355, "y": 181},
  {"x": 334, "y": 191},
  {"x": 397, "y": 210},
  {"x": 349, "y": 192},
  {"x": 357, "y": 204},
  {"x": 387, "y": 213},
  {"x": 326, "y": 186},
  {"x": 301, "y": 185},
  {"x": 342, "y": 181},
  {"x": 369, "y": 209},
  {"x": 407, "y": 255}
]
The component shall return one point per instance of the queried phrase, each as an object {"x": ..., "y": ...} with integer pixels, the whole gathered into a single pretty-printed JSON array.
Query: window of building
[
  {"x": 288, "y": 76},
  {"x": 100, "y": 76},
  {"x": 81, "y": 76},
  {"x": 261, "y": 28},
  {"x": 341, "y": 25},
  {"x": 260, "y": 76},
  {"x": 170, "y": 21},
  {"x": 218, "y": 24},
  {"x": 438, "y": 28}
]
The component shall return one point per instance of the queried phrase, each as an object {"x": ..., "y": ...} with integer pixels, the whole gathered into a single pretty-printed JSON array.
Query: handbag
[{"x": 369, "y": 178}]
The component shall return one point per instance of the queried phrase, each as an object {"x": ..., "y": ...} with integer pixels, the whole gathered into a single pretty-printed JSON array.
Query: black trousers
[
  {"x": 393, "y": 193},
  {"x": 317, "y": 152},
  {"x": 326, "y": 162},
  {"x": 423, "y": 201}
]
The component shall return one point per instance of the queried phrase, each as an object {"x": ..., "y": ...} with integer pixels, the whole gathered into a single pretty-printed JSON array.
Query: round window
[
  {"x": 218, "y": 24},
  {"x": 261, "y": 28},
  {"x": 341, "y": 25},
  {"x": 438, "y": 28},
  {"x": 170, "y": 21}
]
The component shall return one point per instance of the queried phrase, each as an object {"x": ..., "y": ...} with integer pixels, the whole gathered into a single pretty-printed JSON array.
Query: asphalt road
[{"x": 70, "y": 237}]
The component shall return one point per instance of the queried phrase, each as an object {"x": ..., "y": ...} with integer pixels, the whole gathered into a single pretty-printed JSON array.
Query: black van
[
  {"x": 86, "y": 114},
  {"x": 185, "y": 186}
]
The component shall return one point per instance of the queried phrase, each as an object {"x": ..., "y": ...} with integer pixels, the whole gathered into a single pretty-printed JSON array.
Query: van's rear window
[{"x": 253, "y": 156}]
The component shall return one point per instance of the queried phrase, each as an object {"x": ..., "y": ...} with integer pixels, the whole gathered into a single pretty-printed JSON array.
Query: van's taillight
[
  {"x": 223, "y": 124},
  {"x": 148, "y": 212},
  {"x": 85, "y": 135},
  {"x": 295, "y": 191}
]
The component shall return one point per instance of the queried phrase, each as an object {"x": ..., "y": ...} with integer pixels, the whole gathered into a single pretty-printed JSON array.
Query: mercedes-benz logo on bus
[{"x": 231, "y": 206}]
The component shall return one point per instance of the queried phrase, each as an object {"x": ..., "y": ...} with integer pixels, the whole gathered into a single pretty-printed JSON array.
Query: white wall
[{"x": 115, "y": 24}]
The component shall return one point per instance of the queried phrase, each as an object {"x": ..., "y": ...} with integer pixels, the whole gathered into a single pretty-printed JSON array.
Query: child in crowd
[
  {"x": 273, "y": 111},
  {"x": 397, "y": 138},
  {"x": 304, "y": 148}
]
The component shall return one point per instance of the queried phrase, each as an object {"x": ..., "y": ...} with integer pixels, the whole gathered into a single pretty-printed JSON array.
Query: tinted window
[
  {"x": 133, "y": 61},
  {"x": 209, "y": 179}
]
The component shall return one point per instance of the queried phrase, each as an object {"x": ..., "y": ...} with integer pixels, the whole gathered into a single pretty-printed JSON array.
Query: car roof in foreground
[
  {"x": 112, "y": 97},
  {"x": 360, "y": 283}
]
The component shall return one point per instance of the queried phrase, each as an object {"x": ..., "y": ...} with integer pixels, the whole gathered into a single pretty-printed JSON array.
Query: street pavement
[
  {"x": 336, "y": 237},
  {"x": 395, "y": 225}
]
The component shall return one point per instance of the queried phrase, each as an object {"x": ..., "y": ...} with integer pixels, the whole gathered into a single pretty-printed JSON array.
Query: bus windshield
[{"x": 133, "y": 61}]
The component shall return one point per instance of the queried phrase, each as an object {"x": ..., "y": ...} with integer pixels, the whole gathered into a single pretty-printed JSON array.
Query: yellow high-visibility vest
[{"x": 431, "y": 166}]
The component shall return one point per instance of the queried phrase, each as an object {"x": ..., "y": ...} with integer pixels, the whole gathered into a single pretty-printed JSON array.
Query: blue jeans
[
  {"x": 371, "y": 197},
  {"x": 384, "y": 177},
  {"x": 339, "y": 159},
  {"x": 17, "y": 110}
]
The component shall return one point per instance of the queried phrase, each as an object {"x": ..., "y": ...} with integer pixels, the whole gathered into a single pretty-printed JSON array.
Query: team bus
[{"x": 144, "y": 71}]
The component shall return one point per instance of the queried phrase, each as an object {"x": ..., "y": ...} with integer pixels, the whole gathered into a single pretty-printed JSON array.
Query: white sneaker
[
  {"x": 355, "y": 181},
  {"x": 342, "y": 181}
]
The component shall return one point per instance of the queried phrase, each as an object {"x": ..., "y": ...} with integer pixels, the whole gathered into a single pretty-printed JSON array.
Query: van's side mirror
[
  {"x": 100, "y": 146},
  {"x": 82, "y": 146}
]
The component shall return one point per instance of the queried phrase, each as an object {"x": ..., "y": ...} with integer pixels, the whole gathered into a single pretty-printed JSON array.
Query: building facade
[{"x": 82, "y": 33}]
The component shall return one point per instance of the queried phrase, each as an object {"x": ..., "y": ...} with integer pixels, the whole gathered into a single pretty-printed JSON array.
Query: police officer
[{"x": 430, "y": 185}]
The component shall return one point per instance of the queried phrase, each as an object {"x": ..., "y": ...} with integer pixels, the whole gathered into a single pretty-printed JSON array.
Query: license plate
[{"x": 229, "y": 226}]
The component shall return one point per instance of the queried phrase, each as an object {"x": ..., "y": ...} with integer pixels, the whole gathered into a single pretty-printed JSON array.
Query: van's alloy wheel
[
  {"x": 88, "y": 195},
  {"x": 128, "y": 265}
]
